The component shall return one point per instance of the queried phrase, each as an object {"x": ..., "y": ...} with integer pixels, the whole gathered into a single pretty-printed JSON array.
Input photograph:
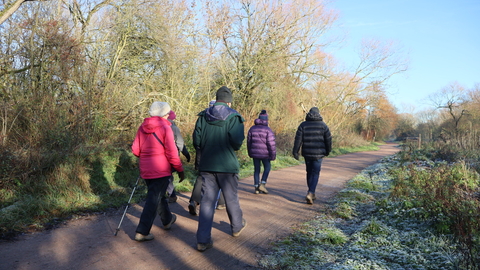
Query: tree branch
[
  {"x": 11, "y": 8},
  {"x": 15, "y": 71}
]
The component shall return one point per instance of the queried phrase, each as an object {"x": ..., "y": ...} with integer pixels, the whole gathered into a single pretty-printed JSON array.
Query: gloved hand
[
  {"x": 186, "y": 153},
  {"x": 182, "y": 176},
  {"x": 295, "y": 156}
]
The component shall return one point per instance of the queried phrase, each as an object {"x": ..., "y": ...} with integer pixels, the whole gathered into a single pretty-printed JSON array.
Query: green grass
[{"x": 345, "y": 150}]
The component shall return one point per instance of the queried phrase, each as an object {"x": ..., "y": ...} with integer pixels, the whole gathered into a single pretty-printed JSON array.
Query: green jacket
[{"x": 218, "y": 133}]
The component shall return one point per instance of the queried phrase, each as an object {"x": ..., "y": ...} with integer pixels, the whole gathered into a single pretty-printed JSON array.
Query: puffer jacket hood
[
  {"x": 314, "y": 115},
  {"x": 151, "y": 124},
  {"x": 261, "y": 122}
]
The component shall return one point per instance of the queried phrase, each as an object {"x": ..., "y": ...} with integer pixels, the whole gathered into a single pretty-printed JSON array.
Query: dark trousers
[
  {"x": 256, "y": 172},
  {"x": 313, "y": 167},
  {"x": 197, "y": 192},
  {"x": 156, "y": 203},
  {"x": 211, "y": 184}
]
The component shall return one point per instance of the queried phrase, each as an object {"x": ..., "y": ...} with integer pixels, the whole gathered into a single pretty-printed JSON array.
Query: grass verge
[
  {"x": 92, "y": 180},
  {"x": 367, "y": 229}
]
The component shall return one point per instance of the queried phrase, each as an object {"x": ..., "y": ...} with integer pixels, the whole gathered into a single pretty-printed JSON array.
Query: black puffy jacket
[{"x": 313, "y": 135}]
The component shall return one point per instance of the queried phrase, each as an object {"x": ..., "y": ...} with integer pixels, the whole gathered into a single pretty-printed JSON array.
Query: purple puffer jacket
[{"x": 261, "y": 141}]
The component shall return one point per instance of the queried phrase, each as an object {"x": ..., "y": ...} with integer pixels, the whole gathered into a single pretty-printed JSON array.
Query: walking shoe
[
  {"x": 263, "y": 189},
  {"x": 235, "y": 234},
  {"x": 140, "y": 237},
  {"x": 309, "y": 198},
  {"x": 169, "y": 225},
  {"x": 203, "y": 247},
  {"x": 172, "y": 199},
  {"x": 221, "y": 207},
  {"x": 257, "y": 191},
  {"x": 193, "y": 208}
]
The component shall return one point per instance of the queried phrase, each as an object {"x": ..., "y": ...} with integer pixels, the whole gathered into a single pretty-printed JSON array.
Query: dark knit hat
[
  {"x": 263, "y": 115},
  {"x": 314, "y": 110},
  {"x": 224, "y": 94},
  {"x": 172, "y": 115}
]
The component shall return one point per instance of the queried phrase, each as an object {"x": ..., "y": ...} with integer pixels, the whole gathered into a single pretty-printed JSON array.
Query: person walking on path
[
  {"x": 314, "y": 137},
  {"x": 261, "y": 148},
  {"x": 180, "y": 143},
  {"x": 196, "y": 196},
  {"x": 218, "y": 133},
  {"x": 154, "y": 144}
]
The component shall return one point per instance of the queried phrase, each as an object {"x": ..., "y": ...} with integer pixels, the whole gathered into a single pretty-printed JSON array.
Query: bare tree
[
  {"x": 453, "y": 101},
  {"x": 453, "y": 98},
  {"x": 260, "y": 44},
  {"x": 350, "y": 97}
]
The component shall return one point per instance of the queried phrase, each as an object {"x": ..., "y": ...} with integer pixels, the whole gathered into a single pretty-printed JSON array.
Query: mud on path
[{"x": 89, "y": 243}]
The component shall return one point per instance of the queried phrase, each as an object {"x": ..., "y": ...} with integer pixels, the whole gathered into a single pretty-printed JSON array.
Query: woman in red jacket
[{"x": 155, "y": 146}]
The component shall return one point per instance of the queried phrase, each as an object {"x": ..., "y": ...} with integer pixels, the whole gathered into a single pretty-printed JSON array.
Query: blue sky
[{"x": 441, "y": 38}]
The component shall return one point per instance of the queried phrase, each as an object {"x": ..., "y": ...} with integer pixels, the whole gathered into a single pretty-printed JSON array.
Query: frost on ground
[{"x": 365, "y": 230}]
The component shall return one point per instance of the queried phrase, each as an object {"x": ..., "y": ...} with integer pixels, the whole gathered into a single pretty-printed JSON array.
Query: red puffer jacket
[{"x": 156, "y": 160}]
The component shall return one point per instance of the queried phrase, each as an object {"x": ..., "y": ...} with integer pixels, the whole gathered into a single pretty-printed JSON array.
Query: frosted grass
[{"x": 365, "y": 230}]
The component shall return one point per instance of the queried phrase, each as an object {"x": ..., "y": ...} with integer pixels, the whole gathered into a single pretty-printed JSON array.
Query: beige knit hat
[{"x": 159, "y": 109}]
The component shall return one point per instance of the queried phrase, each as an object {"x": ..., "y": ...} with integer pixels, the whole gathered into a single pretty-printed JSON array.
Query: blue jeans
[
  {"x": 156, "y": 203},
  {"x": 211, "y": 184},
  {"x": 313, "y": 167},
  {"x": 256, "y": 172}
]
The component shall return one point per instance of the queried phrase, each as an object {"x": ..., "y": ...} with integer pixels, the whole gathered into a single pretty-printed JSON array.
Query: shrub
[{"x": 447, "y": 194}]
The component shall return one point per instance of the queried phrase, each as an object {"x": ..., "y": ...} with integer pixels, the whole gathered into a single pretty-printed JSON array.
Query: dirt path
[{"x": 90, "y": 243}]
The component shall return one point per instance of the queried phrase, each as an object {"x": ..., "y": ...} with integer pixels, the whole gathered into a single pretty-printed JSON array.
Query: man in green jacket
[{"x": 218, "y": 133}]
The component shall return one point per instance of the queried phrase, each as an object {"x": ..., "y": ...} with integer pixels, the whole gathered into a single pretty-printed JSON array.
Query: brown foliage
[{"x": 86, "y": 72}]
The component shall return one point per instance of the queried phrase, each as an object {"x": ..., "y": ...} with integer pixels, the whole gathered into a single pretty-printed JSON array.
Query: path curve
[{"x": 89, "y": 243}]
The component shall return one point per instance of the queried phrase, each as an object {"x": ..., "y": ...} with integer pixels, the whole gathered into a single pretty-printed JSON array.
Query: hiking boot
[
  {"x": 193, "y": 208},
  {"x": 169, "y": 225},
  {"x": 310, "y": 198},
  {"x": 257, "y": 191},
  {"x": 244, "y": 223},
  {"x": 140, "y": 237},
  {"x": 221, "y": 206},
  {"x": 172, "y": 199},
  {"x": 204, "y": 246},
  {"x": 263, "y": 189}
]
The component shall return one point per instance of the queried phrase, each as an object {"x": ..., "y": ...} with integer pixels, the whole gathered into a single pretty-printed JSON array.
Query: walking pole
[{"x": 124, "y": 212}]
